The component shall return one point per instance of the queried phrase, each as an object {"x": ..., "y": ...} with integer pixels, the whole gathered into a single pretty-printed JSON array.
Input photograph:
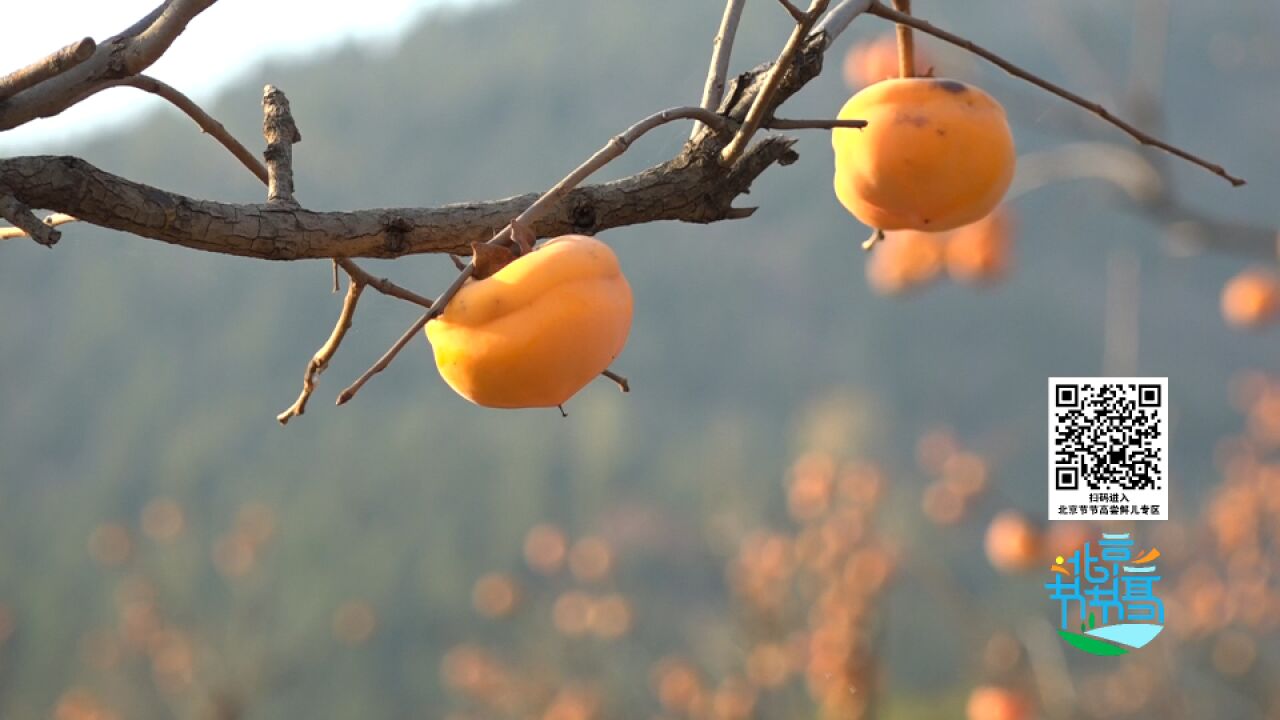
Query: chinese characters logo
[{"x": 1107, "y": 600}]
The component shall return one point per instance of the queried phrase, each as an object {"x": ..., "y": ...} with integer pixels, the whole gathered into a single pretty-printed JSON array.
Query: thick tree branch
[
  {"x": 50, "y": 66},
  {"x": 21, "y": 217},
  {"x": 123, "y": 55},
  {"x": 888, "y": 13},
  {"x": 321, "y": 359}
]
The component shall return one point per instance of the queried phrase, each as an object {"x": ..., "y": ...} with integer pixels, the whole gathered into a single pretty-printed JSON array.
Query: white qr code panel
[{"x": 1108, "y": 448}]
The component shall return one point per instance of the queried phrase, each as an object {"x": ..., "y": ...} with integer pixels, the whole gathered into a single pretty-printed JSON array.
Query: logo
[{"x": 1107, "y": 601}]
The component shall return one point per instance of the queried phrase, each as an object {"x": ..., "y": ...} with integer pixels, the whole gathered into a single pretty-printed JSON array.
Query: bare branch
[
  {"x": 623, "y": 384},
  {"x": 281, "y": 133},
  {"x": 781, "y": 124},
  {"x": 763, "y": 103},
  {"x": 612, "y": 149},
  {"x": 836, "y": 21},
  {"x": 887, "y": 13},
  {"x": 721, "y": 49},
  {"x": 125, "y": 54},
  {"x": 49, "y": 66},
  {"x": 906, "y": 43},
  {"x": 321, "y": 359},
  {"x": 796, "y": 13},
  {"x": 13, "y": 210},
  {"x": 207, "y": 123},
  {"x": 382, "y": 285},
  {"x": 54, "y": 220}
]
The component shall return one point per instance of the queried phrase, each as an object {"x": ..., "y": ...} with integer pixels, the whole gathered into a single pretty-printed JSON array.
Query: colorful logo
[{"x": 1107, "y": 601}]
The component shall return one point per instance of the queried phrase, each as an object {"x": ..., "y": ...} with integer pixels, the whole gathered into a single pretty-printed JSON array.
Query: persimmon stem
[
  {"x": 877, "y": 237},
  {"x": 880, "y": 10},
  {"x": 906, "y": 42}
]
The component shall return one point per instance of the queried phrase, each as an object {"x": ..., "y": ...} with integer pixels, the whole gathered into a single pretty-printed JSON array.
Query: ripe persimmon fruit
[
  {"x": 537, "y": 331},
  {"x": 979, "y": 253},
  {"x": 1251, "y": 299},
  {"x": 935, "y": 154}
]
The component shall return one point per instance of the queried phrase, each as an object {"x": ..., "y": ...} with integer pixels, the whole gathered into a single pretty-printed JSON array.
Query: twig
[
  {"x": 840, "y": 16},
  {"x": 281, "y": 133},
  {"x": 207, "y": 123},
  {"x": 780, "y": 124},
  {"x": 906, "y": 43},
  {"x": 721, "y": 49},
  {"x": 612, "y": 149},
  {"x": 321, "y": 359},
  {"x": 334, "y": 265},
  {"x": 54, "y": 220},
  {"x": 880, "y": 10},
  {"x": 50, "y": 66},
  {"x": 382, "y": 285},
  {"x": 623, "y": 384},
  {"x": 796, "y": 13},
  {"x": 763, "y": 103},
  {"x": 17, "y": 213}
]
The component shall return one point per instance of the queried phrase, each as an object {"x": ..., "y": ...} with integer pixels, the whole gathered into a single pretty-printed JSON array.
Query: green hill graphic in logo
[{"x": 1107, "y": 601}]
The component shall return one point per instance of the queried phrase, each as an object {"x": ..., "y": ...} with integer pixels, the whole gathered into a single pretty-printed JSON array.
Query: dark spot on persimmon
[{"x": 951, "y": 86}]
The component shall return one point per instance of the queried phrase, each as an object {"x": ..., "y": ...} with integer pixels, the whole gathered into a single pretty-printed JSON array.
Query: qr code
[{"x": 1108, "y": 448}]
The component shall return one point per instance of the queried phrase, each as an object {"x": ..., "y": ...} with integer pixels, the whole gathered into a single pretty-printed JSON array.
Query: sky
[{"x": 226, "y": 32}]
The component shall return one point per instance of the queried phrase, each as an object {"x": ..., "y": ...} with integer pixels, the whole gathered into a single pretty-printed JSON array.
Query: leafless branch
[
  {"x": 623, "y": 384},
  {"x": 836, "y": 21},
  {"x": 321, "y": 359},
  {"x": 50, "y": 66},
  {"x": 796, "y": 13},
  {"x": 612, "y": 149},
  {"x": 207, "y": 123},
  {"x": 781, "y": 124},
  {"x": 721, "y": 50},
  {"x": 54, "y": 220},
  {"x": 127, "y": 53},
  {"x": 281, "y": 133},
  {"x": 382, "y": 285},
  {"x": 887, "y": 13},
  {"x": 763, "y": 104},
  {"x": 13, "y": 210},
  {"x": 906, "y": 43}
]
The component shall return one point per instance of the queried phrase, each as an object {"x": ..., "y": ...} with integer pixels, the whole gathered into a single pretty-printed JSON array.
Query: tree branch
[
  {"x": 382, "y": 285},
  {"x": 887, "y": 13},
  {"x": 123, "y": 55},
  {"x": 281, "y": 133},
  {"x": 49, "y": 66},
  {"x": 207, "y": 123},
  {"x": 906, "y": 43},
  {"x": 13, "y": 210},
  {"x": 721, "y": 49},
  {"x": 763, "y": 104},
  {"x": 321, "y": 359},
  {"x": 836, "y": 21},
  {"x": 54, "y": 220}
]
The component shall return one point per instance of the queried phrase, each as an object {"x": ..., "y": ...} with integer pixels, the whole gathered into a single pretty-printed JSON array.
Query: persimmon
[
  {"x": 935, "y": 155},
  {"x": 1251, "y": 299},
  {"x": 989, "y": 702},
  {"x": 904, "y": 261},
  {"x": 1013, "y": 543},
  {"x": 537, "y": 331},
  {"x": 877, "y": 59},
  {"x": 979, "y": 253}
]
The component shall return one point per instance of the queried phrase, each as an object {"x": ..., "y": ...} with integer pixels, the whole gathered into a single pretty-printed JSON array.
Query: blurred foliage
[{"x": 167, "y": 550}]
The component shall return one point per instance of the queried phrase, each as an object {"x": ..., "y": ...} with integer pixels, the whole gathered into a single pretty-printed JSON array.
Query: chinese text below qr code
[{"x": 1108, "y": 448}]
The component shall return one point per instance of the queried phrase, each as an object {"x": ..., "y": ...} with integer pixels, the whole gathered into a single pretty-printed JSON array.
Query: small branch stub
[
  {"x": 21, "y": 217},
  {"x": 281, "y": 133}
]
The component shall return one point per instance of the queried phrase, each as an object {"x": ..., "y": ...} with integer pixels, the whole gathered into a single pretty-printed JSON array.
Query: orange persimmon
[
  {"x": 903, "y": 261},
  {"x": 1013, "y": 543},
  {"x": 1251, "y": 299},
  {"x": 979, "y": 253},
  {"x": 935, "y": 154},
  {"x": 538, "y": 330},
  {"x": 989, "y": 702}
]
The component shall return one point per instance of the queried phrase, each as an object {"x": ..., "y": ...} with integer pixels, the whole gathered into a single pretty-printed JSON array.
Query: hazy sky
[{"x": 220, "y": 43}]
